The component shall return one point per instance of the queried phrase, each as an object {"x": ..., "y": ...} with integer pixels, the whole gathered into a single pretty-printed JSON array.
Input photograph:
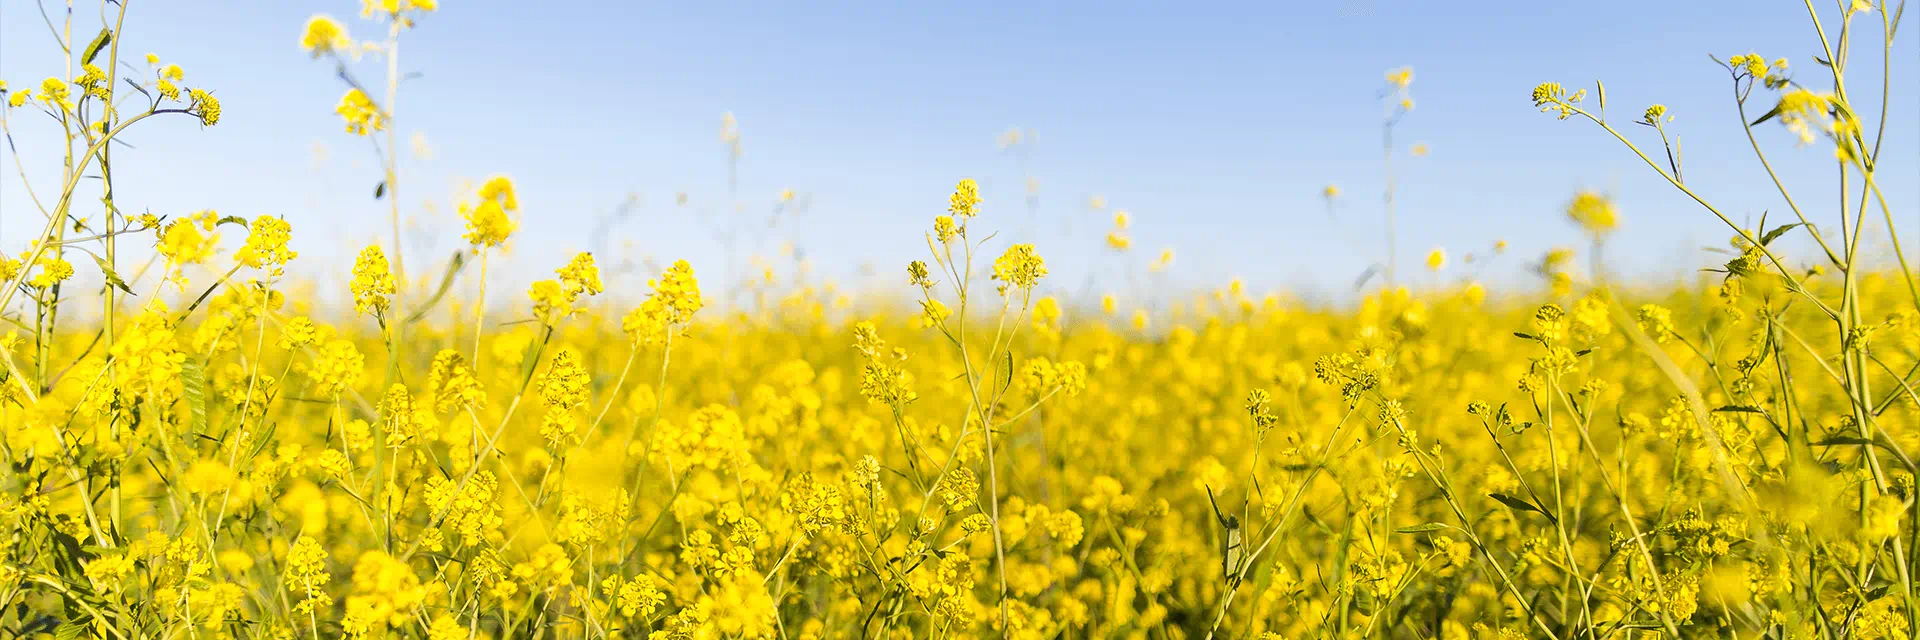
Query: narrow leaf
[
  {"x": 1776, "y": 232},
  {"x": 113, "y": 277},
  {"x": 193, "y": 381},
  {"x": 1004, "y": 374},
  {"x": 1520, "y": 505},
  {"x": 93, "y": 48},
  {"x": 446, "y": 282},
  {"x": 1431, "y": 526},
  {"x": 380, "y": 190}
]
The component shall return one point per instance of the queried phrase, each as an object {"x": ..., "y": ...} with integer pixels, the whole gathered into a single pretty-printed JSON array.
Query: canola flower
[{"x": 1727, "y": 457}]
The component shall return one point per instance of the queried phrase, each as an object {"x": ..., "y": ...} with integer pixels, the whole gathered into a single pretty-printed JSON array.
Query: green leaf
[
  {"x": 1520, "y": 505},
  {"x": 72, "y": 629},
  {"x": 1840, "y": 440},
  {"x": 1423, "y": 528},
  {"x": 262, "y": 439},
  {"x": 1003, "y": 376},
  {"x": 93, "y": 48},
  {"x": 446, "y": 282},
  {"x": 1768, "y": 116},
  {"x": 1738, "y": 409},
  {"x": 193, "y": 381},
  {"x": 1524, "y": 336},
  {"x": 380, "y": 190},
  {"x": 1775, "y": 233},
  {"x": 231, "y": 220},
  {"x": 113, "y": 277}
]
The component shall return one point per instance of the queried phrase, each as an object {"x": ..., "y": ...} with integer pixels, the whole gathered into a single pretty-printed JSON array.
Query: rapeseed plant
[{"x": 213, "y": 456}]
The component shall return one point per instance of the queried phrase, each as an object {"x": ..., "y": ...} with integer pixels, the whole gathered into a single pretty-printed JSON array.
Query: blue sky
[{"x": 1214, "y": 124}]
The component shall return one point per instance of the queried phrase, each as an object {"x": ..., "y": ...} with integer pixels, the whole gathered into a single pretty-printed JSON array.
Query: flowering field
[{"x": 226, "y": 455}]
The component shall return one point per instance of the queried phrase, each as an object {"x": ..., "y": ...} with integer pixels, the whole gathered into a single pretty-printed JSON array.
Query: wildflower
[
  {"x": 372, "y": 281},
  {"x": 361, "y": 114},
  {"x": 554, "y": 299},
  {"x": 563, "y": 389},
  {"x": 338, "y": 367},
  {"x": 1436, "y": 259},
  {"x": 1020, "y": 268},
  {"x": 52, "y": 271},
  {"x": 324, "y": 35},
  {"x": 1656, "y": 321},
  {"x": 945, "y": 230},
  {"x": 307, "y": 576},
  {"x": 1550, "y": 97},
  {"x": 396, "y": 7},
  {"x": 965, "y": 202},
  {"x": 918, "y": 276},
  {"x": 298, "y": 332},
  {"x": 1653, "y": 114},
  {"x": 207, "y": 106},
  {"x": 267, "y": 245},
  {"x": 93, "y": 81},
  {"x": 1593, "y": 212},
  {"x": 676, "y": 296},
  {"x": 1400, "y": 78},
  {"x": 451, "y": 383}
]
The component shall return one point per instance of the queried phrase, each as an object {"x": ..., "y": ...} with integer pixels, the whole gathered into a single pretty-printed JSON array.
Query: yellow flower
[
  {"x": 54, "y": 92},
  {"x": 324, "y": 35},
  {"x": 499, "y": 188},
  {"x": 965, "y": 202},
  {"x": 945, "y": 230},
  {"x": 1400, "y": 78},
  {"x": 554, "y": 299},
  {"x": 487, "y": 223},
  {"x": 184, "y": 242},
  {"x": 372, "y": 281},
  {"x": 53, "y": 271},
  {"x": 94, "y": 81},
  {"x": 361, "y": 114},
  {"x": 1437, "y": 259},
  {"x": 267, "y": 245},
  {"x": 676, "y": 296},
  {"x": 207, "y": 106},
  {"x": 1020, "y": 268},
  {"x": 1593, "y": 212}
]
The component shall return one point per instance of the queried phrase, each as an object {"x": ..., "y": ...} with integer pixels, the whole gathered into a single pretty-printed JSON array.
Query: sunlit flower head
[
  {"x": 324, "y": 35},
  {"x": 1593, "y": 212}
]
